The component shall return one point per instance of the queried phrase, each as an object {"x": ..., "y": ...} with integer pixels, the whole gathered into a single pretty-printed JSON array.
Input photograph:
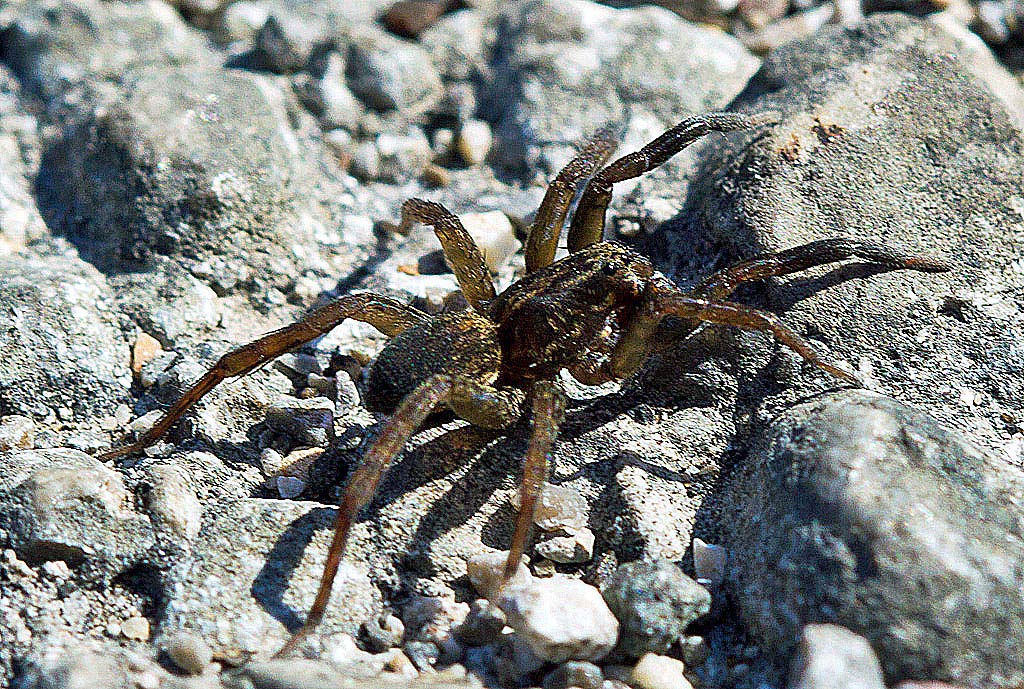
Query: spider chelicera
[{"x": 594, "y": 313}]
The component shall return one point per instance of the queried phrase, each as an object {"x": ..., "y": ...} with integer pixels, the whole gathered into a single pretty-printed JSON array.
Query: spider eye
[{"x": 608, "y": 269}]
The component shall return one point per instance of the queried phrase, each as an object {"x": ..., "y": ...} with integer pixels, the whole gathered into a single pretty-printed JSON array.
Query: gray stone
[
  {"x": 554, "y": 56},
  {"x": 166, "y": 170},
  {"x": 387, "y": 73},
  {"x": 847, "y": 160},
  {"x": 575, "y": 673},
  {"x": 64, "y": 505},
  {"x": 258, "y": 563},
  {"x": 57, "y": 47},
  {"x": 309, "y": 422},
  {"x": 654, "y": 603},
  {"x": 832, "y": 656},
  {"x": 63, "y": 346},
  {"x": 877, "y": 518},
  {"x": 189, "y": 652},
  {"x": 172, "y": 501},
  {"x": 560, "y": 618}
]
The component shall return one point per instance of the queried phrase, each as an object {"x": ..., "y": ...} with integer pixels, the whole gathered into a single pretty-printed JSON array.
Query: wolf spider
[{"x": 595, "y": 313}]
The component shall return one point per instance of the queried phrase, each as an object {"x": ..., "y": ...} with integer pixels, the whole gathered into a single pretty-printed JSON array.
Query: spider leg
[
  {"x": 387, "y": 315},
  {"x": 548, "y": 412},
  {"x": 723, "y": 283},
  {"x": 637, "y": 341},
  {"x": 467, "y": 262},
  {"x": 588, "y": 221},
  {"x": 542, "y": 239},
  {"x": 486, "y": 406}
]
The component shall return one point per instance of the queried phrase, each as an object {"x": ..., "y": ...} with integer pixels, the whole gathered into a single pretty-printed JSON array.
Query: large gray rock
[
  {"x": 192, "y": 164},
  {"x": 858, "y": 510},
  {"x": 64, "y": 505},
  {"x": 854, "y": 155},
  {"x": 564, "y": 68},
  {"x": 61, "y": 341}
]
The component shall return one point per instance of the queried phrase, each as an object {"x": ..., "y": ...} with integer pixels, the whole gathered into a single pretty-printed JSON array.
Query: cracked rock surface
[{"x": 176, "y": 180}]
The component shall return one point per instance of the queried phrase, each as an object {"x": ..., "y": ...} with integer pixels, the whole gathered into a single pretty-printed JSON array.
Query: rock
[
  {"x": 658, "y": 672},
  {"x": 654, "y": 603},
  {"x": 226, "y": 207},
  {"x": 494, "y": 235},
  {"x": 63, "y": 346},
  {"x": 386, "y": 74},
  {"x": 62, "y": 504},
  {"x": 340, "y": 106},
  {"x": 58, "y": 47},
  {"x": 843, "y": 103},
  {"x": 258, "y": 563},
  {"x": 560, "y": 508},
  {"x": 16, "y": 433},
  {"x": 560, "y": 619},
  {"x": 381, "y": 633},
  {"x": 135, "y": 629},
  {"x": 832, "y": 656},
  {"x": 485, "y": 572},
  {"x": 172, "y": 501},
  {"x": 75, "y": 671},
  {"x": 189, "y": 652},
  {"x": 576, "y": 547},
  {"x": 554, "y": 55},
  {"x": 575, "y": 673},
  {"x": 309, "y": 422},
  {"x": 882, "y": 521},
  {"x": 483, "y": 625},
  {"x": 473, "y": 141},
  {"x": 709, "y": 563}
]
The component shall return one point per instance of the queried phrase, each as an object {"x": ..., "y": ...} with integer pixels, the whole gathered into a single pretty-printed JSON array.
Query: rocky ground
[{"x": 175, "y": 180}]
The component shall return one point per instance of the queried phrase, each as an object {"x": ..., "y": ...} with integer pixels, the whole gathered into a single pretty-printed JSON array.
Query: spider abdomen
[{"x": 465, "y": 343}]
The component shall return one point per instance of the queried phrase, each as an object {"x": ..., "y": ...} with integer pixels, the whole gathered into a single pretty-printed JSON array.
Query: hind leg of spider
[
  {"x": 467, "y": 261},
  {"x": 587, "y": 225},
  {"x": 481, "y": 405},
  {"x": 548, "y": 412},
  {"x": 638, "y": 339},
  {"x": 387, "y": 315},
  {"x": 542, "y": 238},
  {"x": 723, "y": 283}
]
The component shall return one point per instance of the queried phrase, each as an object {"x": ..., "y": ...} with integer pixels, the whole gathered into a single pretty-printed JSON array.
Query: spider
[{"x": 595, "y": 313}]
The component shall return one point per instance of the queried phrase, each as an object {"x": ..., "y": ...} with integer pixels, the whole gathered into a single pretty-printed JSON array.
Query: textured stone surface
[
  {"x": 61, "y": 343},
  {"x": 831, "y": 656},
  {"x": 880, "y": 520},
  {"x": 654, "y": 603},
  {"x": 253, "y": 574}
]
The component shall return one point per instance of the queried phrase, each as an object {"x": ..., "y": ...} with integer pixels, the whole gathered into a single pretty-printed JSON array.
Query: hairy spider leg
[
  {"x": 385, "y": 314},
  {"x": 723, "y": 283},
  {"x": 666, "y": 300},
  {"x": 466, "y": 259},
  {"x": 493, "y": 406},
  {"x": 587, "y": 225},
  {"x": 548, "y": 412},
  {"x": 542, "y": 238}
]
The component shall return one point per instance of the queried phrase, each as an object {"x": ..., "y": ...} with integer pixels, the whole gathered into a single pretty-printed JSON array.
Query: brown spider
[{"x": 594, "y": 313}]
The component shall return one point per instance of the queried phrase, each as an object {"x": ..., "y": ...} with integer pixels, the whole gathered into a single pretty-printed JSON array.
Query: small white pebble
[
  {"x": 189, "y": 652},
  {"x": 659, "y": 672},
  {"x": 494, "y": 235},
  {"x": 400, "y": 664},
  {"x": 709, "y": 562},
  {"x": 474, "y": 141},
  {"x": 559, "y": 508},
  {"x": 135, "y": 628},
  {"x": 56, "y": 569}
]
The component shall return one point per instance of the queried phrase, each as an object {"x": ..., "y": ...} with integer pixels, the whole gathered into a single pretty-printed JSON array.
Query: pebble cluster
[{"x": 177, "y": 178}]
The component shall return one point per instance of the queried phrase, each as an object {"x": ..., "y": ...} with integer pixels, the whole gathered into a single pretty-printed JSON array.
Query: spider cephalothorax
[{"x": 594, "y": 313}]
